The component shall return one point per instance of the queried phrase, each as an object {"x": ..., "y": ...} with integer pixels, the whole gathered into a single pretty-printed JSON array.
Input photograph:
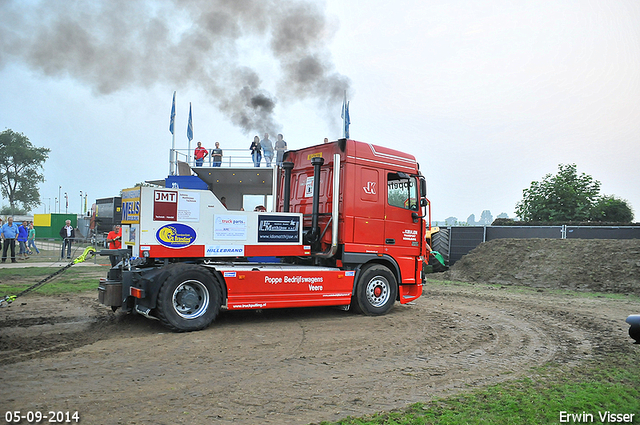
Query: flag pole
[
  {"x": 189, "y": 134},
  {"x": 344, "y": 116},
  {"x": 172, "y": 154}
]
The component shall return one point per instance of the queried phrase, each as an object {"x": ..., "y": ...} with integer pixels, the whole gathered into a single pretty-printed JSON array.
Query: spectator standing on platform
[
  {"x": 9, "y": 233},
  {"x": 199, "y": 154},
  {"x": 67, "y": 233},
  {"x": 326, "y": 140},
  {"x": 216, "y": 154},
  {"x": 267, "y": 147},
  {"x": 256, "y": 151},
  {"x": 280, "y": 147},
  {"x": 23, "y": 235},
  {"x": 31, "y": 240}
]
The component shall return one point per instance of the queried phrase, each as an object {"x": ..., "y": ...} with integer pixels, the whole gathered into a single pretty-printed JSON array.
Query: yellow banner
[{"x": 131, "y": 206}]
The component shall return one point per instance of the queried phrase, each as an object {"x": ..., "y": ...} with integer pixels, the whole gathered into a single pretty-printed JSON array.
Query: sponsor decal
[
  {"x": 230, "y": 227},
  {"x": 314, "y": 155},
  {"x": 254, "y": 305},
  {"x": 165, "y": 205},
  {"x": 350, "y": 273},
  {"x": 229, "y": 274},
  {"x": 370, "y": 188},
  {"x": 145, "y": 248},
  {"x": 188, "y": 206},
  {"x": 410, "y": 235},
  {"x": 131, "y": 206},
  {"x": 308, "y": 190},
  {"x": 278, "y": 228},
  {"x": 224, "y": 250},
  {"x": 293, "y": 279},
  {"x": 176, "y": 235}
]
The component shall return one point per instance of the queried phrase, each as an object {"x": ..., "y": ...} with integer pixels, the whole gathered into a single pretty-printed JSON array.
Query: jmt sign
[
  {"x": 165, "y": 205},
  {"x": 164, "y": 196}
]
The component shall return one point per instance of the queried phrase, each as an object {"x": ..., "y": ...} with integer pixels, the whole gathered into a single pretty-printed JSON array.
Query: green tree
[
  {"x": 612, "y": 209},
  {"x": 20, "y": 170},
  {"x": 565, "y": 196}
]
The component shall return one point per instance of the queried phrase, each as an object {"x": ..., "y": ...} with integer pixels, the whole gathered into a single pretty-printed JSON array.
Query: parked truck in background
[{"x": 347, "y": 229}]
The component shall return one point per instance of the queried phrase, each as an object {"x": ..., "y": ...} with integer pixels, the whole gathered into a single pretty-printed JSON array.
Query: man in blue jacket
[
  {"x": 9, "y": 232},
  {"x": 23, "y": 234}
]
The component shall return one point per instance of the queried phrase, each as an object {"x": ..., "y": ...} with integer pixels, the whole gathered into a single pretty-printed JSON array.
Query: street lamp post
[
  {"x": 66, "y": 203},
  {"x": 81, "y": 212},
  {"x": 59, "y": 197}
]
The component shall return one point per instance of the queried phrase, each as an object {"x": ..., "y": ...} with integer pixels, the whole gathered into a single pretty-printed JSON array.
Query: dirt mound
[{"x": 596, "y": 265}]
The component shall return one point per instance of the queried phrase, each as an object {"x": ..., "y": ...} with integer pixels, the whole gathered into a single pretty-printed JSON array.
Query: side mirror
[{"x": 423, "y": 187}]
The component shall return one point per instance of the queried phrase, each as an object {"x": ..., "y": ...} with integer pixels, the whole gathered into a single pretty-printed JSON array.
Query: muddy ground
[{"x": 68, "y": 353}]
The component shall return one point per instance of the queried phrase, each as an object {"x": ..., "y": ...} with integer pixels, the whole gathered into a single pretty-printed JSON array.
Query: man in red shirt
[
  {"x": 114, "y": 239},
  {"x": 199, "y": 154}
]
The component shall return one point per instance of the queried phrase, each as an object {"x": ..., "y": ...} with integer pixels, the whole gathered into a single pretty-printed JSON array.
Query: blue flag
[
  {"x": 345, "y": 116},
  {"x": 173, "y": 113},
  {"x": 190, "y": 126}
]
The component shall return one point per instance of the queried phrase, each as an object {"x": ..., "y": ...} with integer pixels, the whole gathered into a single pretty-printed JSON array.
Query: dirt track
[{"x": 291, "y": 366}]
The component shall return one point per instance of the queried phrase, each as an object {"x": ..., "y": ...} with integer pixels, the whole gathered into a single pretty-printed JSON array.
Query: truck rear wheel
[
  {"x": 375, "y": 291},
  {"x": 189, "y": 299}
]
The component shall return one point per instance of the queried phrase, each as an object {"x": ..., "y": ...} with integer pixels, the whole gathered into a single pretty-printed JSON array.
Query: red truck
[{"x": 347, "y": 229}]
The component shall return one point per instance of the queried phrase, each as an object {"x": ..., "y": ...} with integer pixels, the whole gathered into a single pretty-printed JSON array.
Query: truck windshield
[{"x": 401, "y": 192}]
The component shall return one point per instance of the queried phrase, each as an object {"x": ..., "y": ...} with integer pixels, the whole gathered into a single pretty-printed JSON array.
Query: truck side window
[{"x": 401, "y": 192}]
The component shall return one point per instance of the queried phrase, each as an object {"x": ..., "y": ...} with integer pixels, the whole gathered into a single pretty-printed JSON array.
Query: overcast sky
[{"x": 488, "y": 96}]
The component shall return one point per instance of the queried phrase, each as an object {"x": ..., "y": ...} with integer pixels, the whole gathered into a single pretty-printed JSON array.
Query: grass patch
[
  {"x": 609, "y": 384},
  {"x": 74, "y": 279}
]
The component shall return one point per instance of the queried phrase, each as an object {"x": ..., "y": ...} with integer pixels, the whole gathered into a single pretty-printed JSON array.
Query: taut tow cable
[{"x": 88, "y": 252}]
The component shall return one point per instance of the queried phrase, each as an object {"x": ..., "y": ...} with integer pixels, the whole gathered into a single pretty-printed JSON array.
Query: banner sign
[
  {"x": 165, "y": 205},
  {"x": 278, "y": 228},
  {"x": 131, "y": 206},
  {"x": 176, "y": 235}
]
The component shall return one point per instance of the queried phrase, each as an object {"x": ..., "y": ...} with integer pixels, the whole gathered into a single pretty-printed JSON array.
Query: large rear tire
[
  {"x": 189, "y": 299},
  {"x": 376, "y": 290}
]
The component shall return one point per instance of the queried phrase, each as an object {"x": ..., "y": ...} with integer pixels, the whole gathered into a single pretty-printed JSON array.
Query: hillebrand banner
[{"x": 278, "y": 228}]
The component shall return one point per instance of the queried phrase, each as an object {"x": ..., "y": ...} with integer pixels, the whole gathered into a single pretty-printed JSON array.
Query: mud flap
[{"x": 409, "y": 293}]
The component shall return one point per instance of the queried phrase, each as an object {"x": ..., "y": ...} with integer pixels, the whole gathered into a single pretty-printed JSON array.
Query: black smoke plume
[{"x": 110, "y": 45}]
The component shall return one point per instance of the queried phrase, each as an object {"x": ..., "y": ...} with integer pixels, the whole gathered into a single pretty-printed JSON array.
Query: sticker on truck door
[{"x": 176, "y": 235}]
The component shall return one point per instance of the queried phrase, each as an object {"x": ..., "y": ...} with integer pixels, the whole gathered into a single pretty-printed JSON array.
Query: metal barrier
[
  {"x": 230, "y": 158},
  {"x": 463, "y": 239}
]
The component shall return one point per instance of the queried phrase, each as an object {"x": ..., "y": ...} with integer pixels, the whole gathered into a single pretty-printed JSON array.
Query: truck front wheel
[
  {"x": 189, "y": 299},
  {"x": 375, "y": 291}
]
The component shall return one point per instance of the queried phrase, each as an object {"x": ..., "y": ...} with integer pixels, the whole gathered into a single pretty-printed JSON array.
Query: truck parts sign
[{"x": 277, "y": 228}]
